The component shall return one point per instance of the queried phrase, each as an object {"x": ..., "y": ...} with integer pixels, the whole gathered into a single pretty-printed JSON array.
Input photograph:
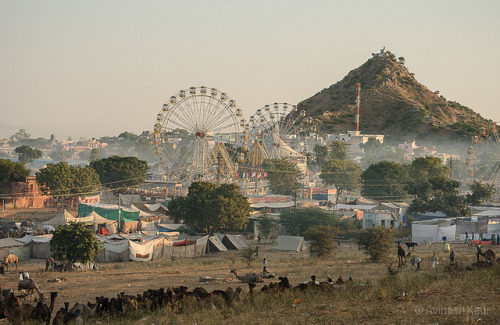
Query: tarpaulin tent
[
  {"x": 115, "y": 249},
  {"x": 40, "y": 246},
  {"x": 290, "y": 243},
  {"x": 93, "y": 218},
  {"x": 61, "y": 218},
  {"x": 432, "y": 230},
  {"x": 141, "y": 251},
  {"x": 235, "y": 242},
  {"x": 19, "y": 248},
  {"x": 215, "y": 245},
  {"x": 108, "y": 211}
]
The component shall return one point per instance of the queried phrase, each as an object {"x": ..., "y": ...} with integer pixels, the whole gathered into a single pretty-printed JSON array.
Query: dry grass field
[{"x": 431, "y": 296}]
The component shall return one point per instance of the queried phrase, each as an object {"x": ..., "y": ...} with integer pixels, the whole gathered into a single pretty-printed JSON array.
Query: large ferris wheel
[
  {"x": 196, "y": 135},
  {"x": 483, "y": 156}
]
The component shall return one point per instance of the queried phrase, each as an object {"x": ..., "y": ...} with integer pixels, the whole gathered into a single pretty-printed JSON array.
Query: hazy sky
[{"x": 97, "y": 68}]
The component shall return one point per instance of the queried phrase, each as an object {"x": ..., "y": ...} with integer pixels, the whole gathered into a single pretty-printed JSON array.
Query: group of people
[
  {"x": 495, "y": 240},
  {"x": 416, "y": 260},
  {"x": 23, "y": 275},
  {"x": 49, "y": 264}
]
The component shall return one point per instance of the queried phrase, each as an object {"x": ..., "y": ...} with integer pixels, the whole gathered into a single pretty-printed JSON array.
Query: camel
[
  {"x": 42, "y": 313},
  {"x": 248, "y": 278},
  {"x": 15, "y": 312},
  {"x": 401, "y": 255},
  {"x": 29, "y": 285},
  {"x": 62, "y": 316},
  {"x": 11, "y": 258},
  {"x": 489, "y": 255}
]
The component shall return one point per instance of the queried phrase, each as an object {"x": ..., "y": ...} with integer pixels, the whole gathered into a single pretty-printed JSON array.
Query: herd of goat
[{"x": 150, "y": 300}]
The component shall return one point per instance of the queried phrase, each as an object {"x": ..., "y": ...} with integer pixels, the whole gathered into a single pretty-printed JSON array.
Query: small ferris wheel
[
  {"x": 196, "y": 134},
  {"x": 279, "y": 126},
  {"x": 483, "y": 156}
]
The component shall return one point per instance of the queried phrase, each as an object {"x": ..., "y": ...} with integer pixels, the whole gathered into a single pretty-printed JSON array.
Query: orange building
[{"x": 27, "y": 194}]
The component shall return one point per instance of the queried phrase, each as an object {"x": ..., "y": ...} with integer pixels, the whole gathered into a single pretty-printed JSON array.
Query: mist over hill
[{"x": 393, "y": 103}]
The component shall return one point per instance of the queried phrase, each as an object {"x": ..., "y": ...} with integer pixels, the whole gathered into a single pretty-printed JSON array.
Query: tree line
[{"x": 67, "y": 180}]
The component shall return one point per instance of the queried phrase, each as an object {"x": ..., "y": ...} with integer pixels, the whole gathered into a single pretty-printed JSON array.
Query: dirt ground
[{"x": 135, "y": 277}]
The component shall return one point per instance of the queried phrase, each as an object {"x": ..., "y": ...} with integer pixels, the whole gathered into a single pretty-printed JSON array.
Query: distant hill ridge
[{"x": 393, "y": 103}]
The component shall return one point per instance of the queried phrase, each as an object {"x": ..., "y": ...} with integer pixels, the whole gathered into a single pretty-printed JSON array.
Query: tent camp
[
  {"x": 433, "y": 230},
  {"x": 290, "y": 243},
  {"x": 235, "y": 242}
]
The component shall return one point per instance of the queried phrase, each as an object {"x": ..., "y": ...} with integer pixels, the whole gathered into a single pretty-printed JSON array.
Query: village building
[{"x": 26, "y": 194}]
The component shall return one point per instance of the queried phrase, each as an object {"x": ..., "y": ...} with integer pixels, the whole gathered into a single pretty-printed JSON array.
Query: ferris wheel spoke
[
  {"x": 214, "y": 114},
  {"x": 219, "y": 122},
  {"x": 179, "y": 120},
  {"x": 189, "y": 113}
]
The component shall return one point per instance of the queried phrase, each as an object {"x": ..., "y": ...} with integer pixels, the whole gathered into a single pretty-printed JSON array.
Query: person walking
[
  {"x": 434, "y": 260},
  {"x": 452, "y": 256},
  {"x": 47, "y": 264},
  {"x": 418, "y": 260},
  {"x": 412, "y": 261},
  {"x": 265, "y": 266}
]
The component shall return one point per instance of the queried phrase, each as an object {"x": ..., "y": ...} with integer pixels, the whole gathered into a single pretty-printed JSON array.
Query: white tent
[
  {"x": 433, "y": 230},
  {"x": 93, "y": 218},
  {"x": 290, "y": 243},
  {"x": 61, "y": 219}
]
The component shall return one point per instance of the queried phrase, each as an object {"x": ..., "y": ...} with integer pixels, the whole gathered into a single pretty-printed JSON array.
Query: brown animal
[
  {"x": 489, "y": 255},
  {"x": 62, "y": 316},
  {"x": 11, "y": 258},
  {"x": 248, "y": 278},
  {"x": 29, "y": 285},
  {"x": 15, "y": 312},
  {"x": 42, "y": 313},
  {"x": 401, "y": 255}
]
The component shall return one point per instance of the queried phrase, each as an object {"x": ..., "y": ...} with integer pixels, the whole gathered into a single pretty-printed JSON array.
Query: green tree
[
  {"x": 11, "y": 172},
  {"x": 385, "y": 181},
  {"x": 480, "y": 192},
  {"x": 343, "y": 174},
  {"x": 61, "y": 154},
  {"x": 321, "y": 240},
  {"x": 376, "y": 242},
  {"x": 297, "y": 221},
  {"x": 128, "y": 136},
  {"x": 338, "y": 150},
  {"x": 321, "y": 153},
  {"x": 63, "y": 180},
  {"x": 283, "y": 176},
  {"x": 401, "y": 60},
  {"x": 443, "y": 197},
  {"x": 266, "y": 226},
  {"x": 421, "y": 171},
  {"x": 90, "y": 155},
  {"x": 20, "y": 136},
  {"x": 75, "y": 243},
  {"x": 27, "y": 154},
  {"x": 209, "y": 208},
  {"x": 118, "y": 172}
]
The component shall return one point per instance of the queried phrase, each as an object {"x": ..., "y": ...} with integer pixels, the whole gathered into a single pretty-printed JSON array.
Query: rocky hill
[{"x": 393, "y": 103}]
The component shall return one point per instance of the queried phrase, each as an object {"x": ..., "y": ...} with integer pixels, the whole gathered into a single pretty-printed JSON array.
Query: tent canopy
[
  {"x": 215, "y": 245},
  {"x": 290, "y": 243},
  {"x": 235, "y": 242}
]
